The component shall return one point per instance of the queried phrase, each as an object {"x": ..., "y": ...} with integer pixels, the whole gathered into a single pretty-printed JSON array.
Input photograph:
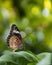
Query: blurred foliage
[
  {"x": 25, "y": 58},
  {"x": 34, "y": 19}
]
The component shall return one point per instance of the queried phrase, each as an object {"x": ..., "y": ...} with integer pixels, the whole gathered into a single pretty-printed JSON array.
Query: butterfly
[{"x": 14, "y": 39}]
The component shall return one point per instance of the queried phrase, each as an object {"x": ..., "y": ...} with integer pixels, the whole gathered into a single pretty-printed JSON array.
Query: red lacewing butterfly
[{"x": 14, "y": 40}]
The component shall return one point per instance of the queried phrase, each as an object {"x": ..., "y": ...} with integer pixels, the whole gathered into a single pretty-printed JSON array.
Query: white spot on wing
[{"x": 16, "y": 31}]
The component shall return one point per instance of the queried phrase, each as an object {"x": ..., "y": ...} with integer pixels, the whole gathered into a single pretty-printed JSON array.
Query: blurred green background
[{"x": 33, "y": 18}]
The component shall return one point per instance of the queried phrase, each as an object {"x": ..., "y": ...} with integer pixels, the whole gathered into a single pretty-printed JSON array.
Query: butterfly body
[{"x": 14, "y": 40}]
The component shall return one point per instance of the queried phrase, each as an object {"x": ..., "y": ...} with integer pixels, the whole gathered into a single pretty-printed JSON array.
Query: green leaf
[
  {"x": 25, "y": 58},
  {"x": 45, "y": 59},
  {"x": 18, "y": 58}
]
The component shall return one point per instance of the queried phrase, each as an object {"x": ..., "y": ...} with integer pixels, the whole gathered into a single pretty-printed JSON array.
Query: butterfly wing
[{"x": 14, "y": 40}]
